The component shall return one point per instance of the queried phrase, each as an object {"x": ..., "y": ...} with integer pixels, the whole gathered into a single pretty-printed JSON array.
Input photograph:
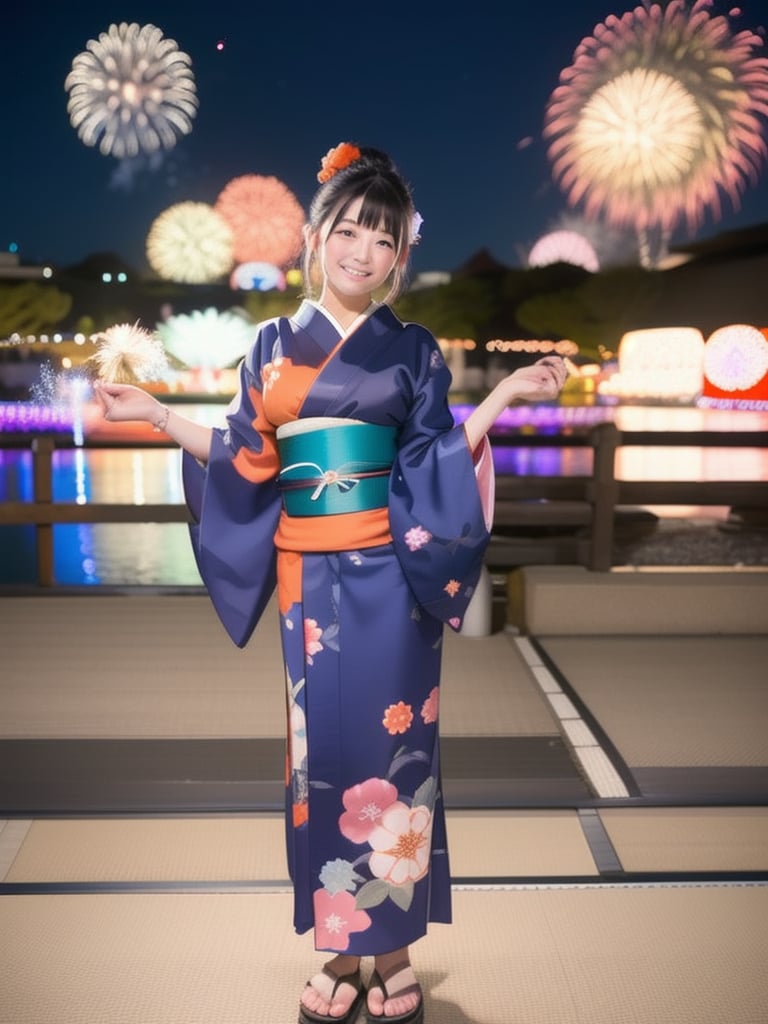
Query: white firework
[
  {"x": 131, "y": 91},
  {"x": 207, "y": 339},
  {"x": 190, "y": 242},
  {"x": 127, "y": 353}
]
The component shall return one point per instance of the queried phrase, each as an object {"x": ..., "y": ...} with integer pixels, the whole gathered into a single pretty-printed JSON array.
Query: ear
[{"x": 311, "y": 239}]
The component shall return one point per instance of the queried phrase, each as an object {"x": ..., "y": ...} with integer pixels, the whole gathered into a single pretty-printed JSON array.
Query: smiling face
[{"x": 356, "y": 261}]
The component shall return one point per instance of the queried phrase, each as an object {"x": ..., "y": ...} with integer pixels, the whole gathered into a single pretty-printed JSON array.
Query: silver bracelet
[{"x": 162, "y": 421}]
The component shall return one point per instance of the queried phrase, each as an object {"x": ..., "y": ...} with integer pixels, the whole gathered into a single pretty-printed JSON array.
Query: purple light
[
  {"x": 25, "y": 417},
  {"x": 542, "y": 417}
]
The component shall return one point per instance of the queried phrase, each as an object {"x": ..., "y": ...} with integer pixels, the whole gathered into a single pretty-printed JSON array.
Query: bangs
[{"x": 380, "y": 211}]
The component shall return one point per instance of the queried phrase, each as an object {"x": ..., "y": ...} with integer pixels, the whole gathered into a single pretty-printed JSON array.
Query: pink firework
[
  {"x": 265, "y": 217},
  {"x": 660, "y": 114},
  {"x": 564, "y": 247}
]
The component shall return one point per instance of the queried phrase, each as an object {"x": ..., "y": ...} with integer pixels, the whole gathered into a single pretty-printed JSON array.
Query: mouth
[{"x": 355, "y": 273}]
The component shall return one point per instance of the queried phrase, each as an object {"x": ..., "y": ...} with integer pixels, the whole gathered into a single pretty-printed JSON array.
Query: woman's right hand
[{"x": 126, "y": 402}]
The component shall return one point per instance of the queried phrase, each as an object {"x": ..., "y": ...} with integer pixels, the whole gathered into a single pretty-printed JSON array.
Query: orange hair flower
[{"x": 336, "y": 160}]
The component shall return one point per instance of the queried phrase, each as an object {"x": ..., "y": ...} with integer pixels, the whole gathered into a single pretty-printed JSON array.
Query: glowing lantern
[
  {"x": 257, "y": 276},
  {"x": 736, "y": 368},
  {"x": 661, "y": 363}
]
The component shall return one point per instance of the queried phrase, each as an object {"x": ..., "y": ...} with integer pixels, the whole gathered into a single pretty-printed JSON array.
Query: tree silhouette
[{"x": 31, "y": 308}]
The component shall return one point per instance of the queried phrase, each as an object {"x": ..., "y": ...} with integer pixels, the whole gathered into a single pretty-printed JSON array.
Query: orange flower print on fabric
[
  {"x": 452, "y": 587},
  {"x": 337, "y": 159},
  {"x": 312, "y": 634},
  {"x": 430, "y": 706},
  {"x": 397, "y": 718}
]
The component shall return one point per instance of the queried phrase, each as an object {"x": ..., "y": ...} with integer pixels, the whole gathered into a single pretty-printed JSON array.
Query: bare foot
[
  {"x": 394, "y": 989},
  {"x": 326, "y": 995}
]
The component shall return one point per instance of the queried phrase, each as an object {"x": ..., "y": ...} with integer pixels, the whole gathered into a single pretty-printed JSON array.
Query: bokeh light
[{"x": 131, "y": 91}]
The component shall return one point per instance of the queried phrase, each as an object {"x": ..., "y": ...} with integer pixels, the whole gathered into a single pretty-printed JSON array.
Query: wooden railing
[{"x": 588, "y": 502}]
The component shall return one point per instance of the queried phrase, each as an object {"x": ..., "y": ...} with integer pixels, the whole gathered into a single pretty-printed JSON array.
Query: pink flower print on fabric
[
  {"x": 416, "y": 538},
  {"x": 335, "y": 918},
  {"x": 312, "y": 634},
  {"x": 271, "y": 372},
  {"x": 365, "y": 803},
  {"x": 401, "y": 844},
  {"x": 430, "y": 706},
  {"x": 456, "y": 623},
  {"x": 397, "y": 718}
]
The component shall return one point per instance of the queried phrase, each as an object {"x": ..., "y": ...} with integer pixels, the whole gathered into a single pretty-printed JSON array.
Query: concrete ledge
[{"x": 570, "y": 600}]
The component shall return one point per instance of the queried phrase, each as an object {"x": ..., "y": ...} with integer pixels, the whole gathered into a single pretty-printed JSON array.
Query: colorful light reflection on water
[{"x": 158, "y": 554}]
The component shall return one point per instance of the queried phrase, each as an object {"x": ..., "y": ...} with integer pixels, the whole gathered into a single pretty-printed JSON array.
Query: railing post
[
  {"x": 603, "y": 496},
  {"x": 42, "y": 475}
]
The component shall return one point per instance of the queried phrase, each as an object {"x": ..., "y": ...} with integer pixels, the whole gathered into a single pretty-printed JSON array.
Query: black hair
[{"x": 387, "y": 204}]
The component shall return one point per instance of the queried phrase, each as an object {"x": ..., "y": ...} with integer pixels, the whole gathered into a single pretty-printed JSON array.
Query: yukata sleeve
[
  {"x": 235, "y": 505},
  {"x": 441, "y": 497}
]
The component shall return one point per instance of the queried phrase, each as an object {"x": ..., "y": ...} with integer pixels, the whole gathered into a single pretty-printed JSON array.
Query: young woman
[{"x": 341, "y": 478}]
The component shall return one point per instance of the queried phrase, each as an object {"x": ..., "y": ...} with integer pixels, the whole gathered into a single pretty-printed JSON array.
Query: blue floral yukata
[{"x": 363, "y": 596}]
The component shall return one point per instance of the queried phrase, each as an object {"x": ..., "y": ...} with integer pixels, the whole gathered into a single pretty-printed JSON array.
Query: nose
[{"x": 362, "y": 251}]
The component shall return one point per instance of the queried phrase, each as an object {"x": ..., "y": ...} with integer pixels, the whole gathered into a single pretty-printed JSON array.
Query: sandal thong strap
[
  {"x": 378, "y": 980},
  {"x": 310, "y": 1017}
]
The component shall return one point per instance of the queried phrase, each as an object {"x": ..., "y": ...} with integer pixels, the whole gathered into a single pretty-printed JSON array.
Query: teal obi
[{"x": 335, "y": 469}]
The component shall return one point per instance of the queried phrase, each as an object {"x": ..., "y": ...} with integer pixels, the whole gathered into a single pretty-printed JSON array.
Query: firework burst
[
  {"x": 265, "y": 217},
  {"x": 127, "y": 354},
  {"x": 207, "y": 338},
  {"x": 564, "y": 247},
  {"x": 131, "y": 91},
  {"x": 659, "y": 116},
  {"x": 190, "y": 242}
]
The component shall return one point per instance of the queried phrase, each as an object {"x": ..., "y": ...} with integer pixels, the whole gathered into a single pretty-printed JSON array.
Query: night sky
[{"x": 457, "y": 98}]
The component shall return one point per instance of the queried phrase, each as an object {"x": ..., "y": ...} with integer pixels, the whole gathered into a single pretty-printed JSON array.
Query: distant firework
[
  {"x": 564, "y": 247},
  {"x": 131, "y": 91},
  {"x": 658, "y": 115},
  {"x": 207, "y": 338},
  {"x": 265, "y": 217},
  {"x": 190, "y": 242}
]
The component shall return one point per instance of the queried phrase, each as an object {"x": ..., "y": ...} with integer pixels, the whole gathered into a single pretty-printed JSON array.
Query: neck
[{"x": 344, "y": 313}]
